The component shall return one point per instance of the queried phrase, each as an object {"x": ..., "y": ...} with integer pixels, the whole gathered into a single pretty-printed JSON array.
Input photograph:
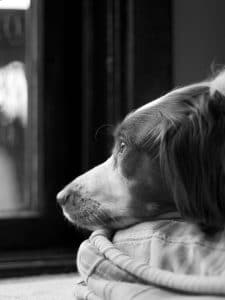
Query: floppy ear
[{"x": 193, "y": 162}]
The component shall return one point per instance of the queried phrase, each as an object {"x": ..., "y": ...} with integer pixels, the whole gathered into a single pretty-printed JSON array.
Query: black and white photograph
[{"x": 112, "y": 150}]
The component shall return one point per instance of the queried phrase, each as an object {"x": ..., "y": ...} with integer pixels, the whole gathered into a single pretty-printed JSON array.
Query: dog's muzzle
[{"x": 96, "y": 197}]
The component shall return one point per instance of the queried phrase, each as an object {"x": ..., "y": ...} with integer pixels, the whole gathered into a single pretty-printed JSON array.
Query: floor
[{"x": 49, "y": 287}]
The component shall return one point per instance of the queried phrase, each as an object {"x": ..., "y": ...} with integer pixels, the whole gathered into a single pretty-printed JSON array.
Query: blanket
[{"x": 165, "y": 259}]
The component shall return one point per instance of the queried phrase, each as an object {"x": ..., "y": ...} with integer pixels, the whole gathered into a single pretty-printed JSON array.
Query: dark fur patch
[
  {"x": 138, "y": 126},
  {"x": 140, "y": 165},
  {"x": 192, "y": 157},
  {"x": 131, "y": 164}
]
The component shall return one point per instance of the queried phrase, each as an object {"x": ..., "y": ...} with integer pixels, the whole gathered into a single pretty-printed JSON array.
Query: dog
[{"x": 167, "y": 162}]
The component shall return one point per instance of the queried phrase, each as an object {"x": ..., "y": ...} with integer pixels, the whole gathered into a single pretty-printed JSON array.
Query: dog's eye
[{"x": 122, "y": 147}]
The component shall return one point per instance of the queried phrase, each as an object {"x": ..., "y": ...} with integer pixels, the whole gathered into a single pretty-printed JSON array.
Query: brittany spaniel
[{"x": 168, "y": 160}]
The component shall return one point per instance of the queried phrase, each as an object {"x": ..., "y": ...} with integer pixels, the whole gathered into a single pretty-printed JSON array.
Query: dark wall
[
  {"x": 152, "y": 50},
  {"x": 198, "y": 39}
]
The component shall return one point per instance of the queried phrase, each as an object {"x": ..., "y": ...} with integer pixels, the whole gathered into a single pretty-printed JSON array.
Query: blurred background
[{"x": 68, "y": 74}]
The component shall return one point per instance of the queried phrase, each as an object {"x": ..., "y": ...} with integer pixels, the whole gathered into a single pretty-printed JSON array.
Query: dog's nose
[{"x": 62, "y": 197}]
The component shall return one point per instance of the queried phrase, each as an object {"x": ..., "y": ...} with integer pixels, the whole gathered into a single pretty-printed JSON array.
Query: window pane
[{"x": 18, "y": 107}]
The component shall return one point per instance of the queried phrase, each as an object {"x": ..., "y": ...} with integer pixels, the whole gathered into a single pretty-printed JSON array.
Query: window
[
  {"x": 122, "y": 56},
  {"x": 19, "y": 86},
  {"x": 34, "y": 235}
]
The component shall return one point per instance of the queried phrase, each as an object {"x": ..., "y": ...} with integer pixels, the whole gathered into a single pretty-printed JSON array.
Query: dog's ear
[{"x": 192, "y": 154}]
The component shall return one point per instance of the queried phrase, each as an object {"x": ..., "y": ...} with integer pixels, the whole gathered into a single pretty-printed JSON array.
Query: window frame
[{"x": 112, "y": 64}]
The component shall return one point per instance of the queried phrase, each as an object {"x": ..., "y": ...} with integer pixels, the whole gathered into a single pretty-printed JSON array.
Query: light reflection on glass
[
  {"x": 13, "y": 121},
  {"x": 14, "y": 4},
  {"x": 18, "y": 101}
]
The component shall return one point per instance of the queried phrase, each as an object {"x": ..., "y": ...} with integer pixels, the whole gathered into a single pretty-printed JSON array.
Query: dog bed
[{"x": 164, "y": 259}]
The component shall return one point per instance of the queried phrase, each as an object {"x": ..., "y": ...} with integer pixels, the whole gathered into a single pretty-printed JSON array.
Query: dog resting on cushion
[{"x": 168, "y": 158}]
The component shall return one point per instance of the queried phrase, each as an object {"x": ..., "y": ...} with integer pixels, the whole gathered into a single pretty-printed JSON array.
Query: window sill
[{"x": 42, "y": 287}]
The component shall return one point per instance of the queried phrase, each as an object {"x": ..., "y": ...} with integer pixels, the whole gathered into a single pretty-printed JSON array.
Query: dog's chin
[
  {"x": 82, "y": 222},
  {"x": 101, "y": 220}
]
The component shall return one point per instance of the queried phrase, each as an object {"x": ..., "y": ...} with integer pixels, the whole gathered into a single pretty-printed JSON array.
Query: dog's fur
[{"x": 168, "y": 157}]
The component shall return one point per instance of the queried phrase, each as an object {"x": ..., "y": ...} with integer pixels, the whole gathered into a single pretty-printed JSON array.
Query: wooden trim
[
  {"x": 117, "y": 61},
  {"x": 87, "y": 84},
  {"x": 130, "y": 55},
  {"x": 110, "y": 62},
  {"x": 33, "y": 263},
  {"x": 120, "y": 59},
  {"x": 107, "y": 80},
  {"x": 32, "y": 137}
]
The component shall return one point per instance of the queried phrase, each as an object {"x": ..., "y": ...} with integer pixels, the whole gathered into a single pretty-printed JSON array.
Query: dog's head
[{"x": 168, "y": 157}]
